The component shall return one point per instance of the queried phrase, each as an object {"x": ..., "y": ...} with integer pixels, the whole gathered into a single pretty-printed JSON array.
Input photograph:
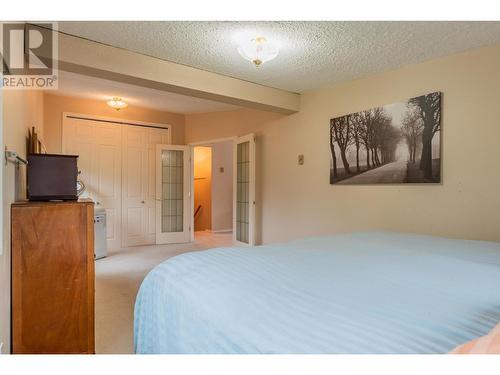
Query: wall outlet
[{"x": 301, "y": 159}]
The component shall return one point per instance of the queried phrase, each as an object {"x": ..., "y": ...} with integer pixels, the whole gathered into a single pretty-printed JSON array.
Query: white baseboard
[{"x": 222, "y": 231}]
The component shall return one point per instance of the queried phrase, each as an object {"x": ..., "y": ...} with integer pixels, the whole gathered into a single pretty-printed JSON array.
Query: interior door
[
  {"x": 172, "y": 194},
  {"x": 98, "y": 146},
  {"x": 155, "y": 137},
  {"x": 244, "y": 190}
]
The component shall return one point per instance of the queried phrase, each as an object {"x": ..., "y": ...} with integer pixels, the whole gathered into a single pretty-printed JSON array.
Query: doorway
[
  {"x": 202, "y": 188},
  {"x": 225, "y": 177},
  {"x": 213, "y": 187}
]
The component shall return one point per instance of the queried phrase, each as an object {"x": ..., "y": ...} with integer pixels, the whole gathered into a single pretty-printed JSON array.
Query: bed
[{"x": 353, "y": 293}]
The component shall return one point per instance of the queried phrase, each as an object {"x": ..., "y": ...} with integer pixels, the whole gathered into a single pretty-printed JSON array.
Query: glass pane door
[
  {"x": 244, "y": 190},
  {"x": 172, "y": 194},
  {"x": 172, "y": 191}
]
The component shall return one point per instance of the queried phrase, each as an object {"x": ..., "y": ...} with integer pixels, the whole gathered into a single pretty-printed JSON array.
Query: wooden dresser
[{"x": 53, "y": 277}]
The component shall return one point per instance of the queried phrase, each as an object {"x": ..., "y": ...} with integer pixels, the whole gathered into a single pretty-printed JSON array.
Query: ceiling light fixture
[
  {"x": 117, "y": 103},
  {"x": 258, "y": 50}
]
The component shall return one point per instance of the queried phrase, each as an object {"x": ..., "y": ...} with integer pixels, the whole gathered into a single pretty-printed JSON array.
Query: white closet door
[
  {"x": 107, "y": 179},
  {"x": 117, "y": 164},
  {"x": 244, "y": 190},
  {"x": 98, "y": 145},
  {"x": 135, "y": 186},
  {"x": 138, "y": 195}
]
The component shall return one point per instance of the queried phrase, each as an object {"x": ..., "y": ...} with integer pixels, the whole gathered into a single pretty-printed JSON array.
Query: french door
[
  {"x": 173, "y": 194},
  {"x": 244, "y": 189}
]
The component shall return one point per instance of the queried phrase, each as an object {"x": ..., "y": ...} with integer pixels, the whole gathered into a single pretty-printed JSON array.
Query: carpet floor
[{"x": 118, "y": 277}]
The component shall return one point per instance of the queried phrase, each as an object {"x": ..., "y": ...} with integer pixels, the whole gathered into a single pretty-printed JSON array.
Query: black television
[{"x": 52, "y": 177}]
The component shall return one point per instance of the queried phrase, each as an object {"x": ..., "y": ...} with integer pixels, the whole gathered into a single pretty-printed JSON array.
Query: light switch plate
[{"x": 301, "y": 159}]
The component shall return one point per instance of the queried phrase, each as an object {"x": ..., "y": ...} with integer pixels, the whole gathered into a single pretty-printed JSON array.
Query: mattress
[{"x": 353, "y": 293}]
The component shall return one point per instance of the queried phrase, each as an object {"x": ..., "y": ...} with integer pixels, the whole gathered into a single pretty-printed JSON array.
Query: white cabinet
[{"x": 117, "y": 164}]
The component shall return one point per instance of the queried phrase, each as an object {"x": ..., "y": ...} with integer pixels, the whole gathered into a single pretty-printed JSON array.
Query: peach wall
[
  {"x": 298, "y": 201},
  {"x": 55, "y": 105}
]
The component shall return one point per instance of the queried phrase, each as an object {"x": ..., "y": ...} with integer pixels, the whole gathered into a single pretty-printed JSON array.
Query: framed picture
[{"x": 393, "y": 144}]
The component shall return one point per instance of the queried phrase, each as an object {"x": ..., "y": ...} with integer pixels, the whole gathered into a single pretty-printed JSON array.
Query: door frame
[{"x": 192, "y": 145}]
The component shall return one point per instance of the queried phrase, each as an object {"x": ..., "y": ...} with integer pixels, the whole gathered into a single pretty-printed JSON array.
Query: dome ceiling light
[
  {"x": 117, "y": 103},
  {"x": 258, "y": 50}
]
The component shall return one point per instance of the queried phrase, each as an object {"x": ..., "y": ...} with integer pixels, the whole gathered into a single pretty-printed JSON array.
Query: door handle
[{"x": 143, "y": 202}]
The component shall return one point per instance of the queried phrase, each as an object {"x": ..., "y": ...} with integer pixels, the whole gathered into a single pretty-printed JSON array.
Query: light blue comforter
[{"x": 353, "y": 293}]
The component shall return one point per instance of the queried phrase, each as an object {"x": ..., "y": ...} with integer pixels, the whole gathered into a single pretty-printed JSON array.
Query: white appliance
[{"x": 100, "y": 243}]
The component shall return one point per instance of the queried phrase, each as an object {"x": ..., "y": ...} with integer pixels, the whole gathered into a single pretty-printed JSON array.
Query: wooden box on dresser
[{"x": 53, "y": 277}]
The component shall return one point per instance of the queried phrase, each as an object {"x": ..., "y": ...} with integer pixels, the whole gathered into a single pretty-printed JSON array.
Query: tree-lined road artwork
[
  {"x": 396, "y": 143},
  {"x": 390, "y": 173}
]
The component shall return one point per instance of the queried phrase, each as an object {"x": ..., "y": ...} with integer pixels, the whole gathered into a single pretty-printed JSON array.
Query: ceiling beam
[{"x": 87, "y": 57}]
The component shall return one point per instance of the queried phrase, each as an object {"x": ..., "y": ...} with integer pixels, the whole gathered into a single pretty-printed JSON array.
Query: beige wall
[
  {"x": 21, "y": 111},
  {"x": 222, "y": 186},
  {"x": 55, "y": 105},
  {"x": 203, "y": 188},
  {"x": 298, "y": 201}
]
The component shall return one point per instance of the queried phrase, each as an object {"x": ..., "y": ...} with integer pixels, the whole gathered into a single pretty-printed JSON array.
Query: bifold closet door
[
  {"x": 135, "y": 186},
  {"x": 138, "y": 175},
  {"x": 98, "y": 145},
  {"x": 117, "y": 164}
]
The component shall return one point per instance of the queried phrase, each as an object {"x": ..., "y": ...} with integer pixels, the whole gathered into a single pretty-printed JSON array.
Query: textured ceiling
[
  {"x": 71, "y": 84},
  {"x": 313, "y": 54}
]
